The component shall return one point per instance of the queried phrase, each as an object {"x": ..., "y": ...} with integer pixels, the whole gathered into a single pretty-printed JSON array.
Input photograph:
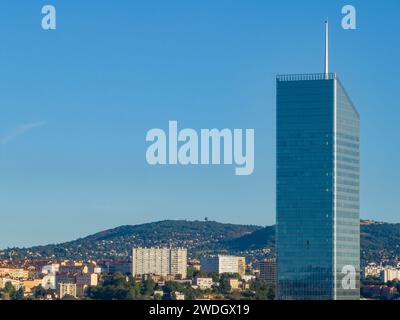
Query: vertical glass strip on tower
[
  {"x": 317, "y": 188},
  {"x": 346, "y": 201}
]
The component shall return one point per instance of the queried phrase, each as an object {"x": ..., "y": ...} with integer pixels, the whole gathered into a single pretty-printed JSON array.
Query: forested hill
[{"x": 379, "y": 241}]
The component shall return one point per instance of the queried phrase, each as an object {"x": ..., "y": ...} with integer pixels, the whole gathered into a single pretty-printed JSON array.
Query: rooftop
[{"x": 306, "y": 77}]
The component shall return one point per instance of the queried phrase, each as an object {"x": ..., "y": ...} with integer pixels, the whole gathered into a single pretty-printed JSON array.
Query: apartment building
[
  {"x": 15, "y": 273},
  {"x": 159, "y": 261},
  {"x": 223, "y": 264}
]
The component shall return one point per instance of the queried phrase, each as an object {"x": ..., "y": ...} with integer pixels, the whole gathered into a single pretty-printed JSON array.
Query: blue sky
[{"x": 76, "y": 104}]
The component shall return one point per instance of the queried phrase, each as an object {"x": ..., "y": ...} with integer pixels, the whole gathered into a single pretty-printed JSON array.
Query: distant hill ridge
[{"x": 379, "y": 241}]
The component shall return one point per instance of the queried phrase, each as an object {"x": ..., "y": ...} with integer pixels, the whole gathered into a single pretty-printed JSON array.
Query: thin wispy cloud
[{"x": 20, "y": 130}]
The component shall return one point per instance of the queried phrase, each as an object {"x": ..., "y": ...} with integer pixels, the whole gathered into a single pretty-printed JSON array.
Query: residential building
[
  {"x": 389, "y": 274},
  {"x": 159, "y": 261},
  {"x": 15, "y": 273},
  {"x": 223, "y": 264}
]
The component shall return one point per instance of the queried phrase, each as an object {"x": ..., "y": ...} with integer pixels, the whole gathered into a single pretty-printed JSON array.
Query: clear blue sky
[{"x": 76, "y": 103}]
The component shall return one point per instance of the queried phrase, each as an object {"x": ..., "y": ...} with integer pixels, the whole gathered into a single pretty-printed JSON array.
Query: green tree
[
  {"x": 171, "y": 286},
  {"x": 148, "y": 287},
  {"x": 9, "y": 289},
  {"x": 263, "y": 291},
  {"x": 39, "y": 292},
  {"x": 192, "y": 273},
  {"x": 19, "y": 294},
  {"x": 116, "y": 279}
]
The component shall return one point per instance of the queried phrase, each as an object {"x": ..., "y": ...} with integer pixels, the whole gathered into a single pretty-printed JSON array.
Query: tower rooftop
[{"x": 306, "y": 77}]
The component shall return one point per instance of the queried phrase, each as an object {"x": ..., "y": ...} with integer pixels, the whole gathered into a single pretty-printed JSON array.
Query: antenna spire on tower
[{"x": 326, "y": 49}]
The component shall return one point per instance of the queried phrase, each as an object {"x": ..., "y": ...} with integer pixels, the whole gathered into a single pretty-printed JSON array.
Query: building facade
[
  {"x": 268, "y": 271},
  {"x": 15, "y": 273},
  {"x": 159, "y": 261},
  {"x": 64, "y": 289},
  {"x": 389, "y": 274},
  {"x": 372, "y": 270},
  {"x": 318, "y": 223},
  {"x": 223, "y": 264}
]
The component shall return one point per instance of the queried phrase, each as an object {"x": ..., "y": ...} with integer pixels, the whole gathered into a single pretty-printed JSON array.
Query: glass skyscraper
[{"x": 318, "y": 223}]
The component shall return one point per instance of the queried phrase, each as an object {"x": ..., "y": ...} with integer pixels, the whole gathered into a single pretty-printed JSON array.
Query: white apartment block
[
  {"x": 223, "y": 264},
  {"x": 159, "y": 261}
]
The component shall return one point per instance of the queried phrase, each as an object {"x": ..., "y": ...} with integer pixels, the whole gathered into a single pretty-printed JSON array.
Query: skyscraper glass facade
[{"x": 317, "y": 189}]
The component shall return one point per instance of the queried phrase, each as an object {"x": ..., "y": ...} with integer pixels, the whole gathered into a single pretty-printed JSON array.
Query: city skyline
[{"x": 77, "y": 107}]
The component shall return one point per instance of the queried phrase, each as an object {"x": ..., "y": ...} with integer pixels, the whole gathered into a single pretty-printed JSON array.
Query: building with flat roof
[
  {"x": 318, "y": 222},
  {"x": 267, "y": 271},
  {"x": 223, "y": 264},
  {"x": 159, "y": 261}
]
